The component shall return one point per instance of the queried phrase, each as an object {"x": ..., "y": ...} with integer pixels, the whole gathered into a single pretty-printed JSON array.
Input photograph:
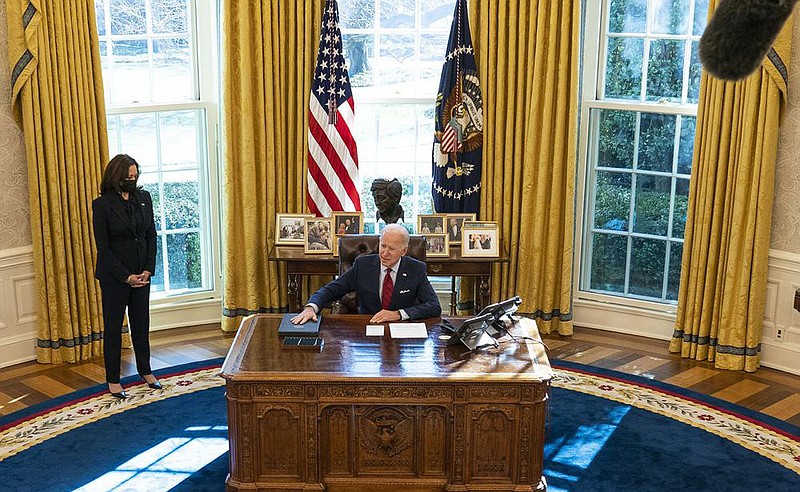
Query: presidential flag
[
  {"x": 333, "y": 183},
  {"x": 458, "y": 137}
]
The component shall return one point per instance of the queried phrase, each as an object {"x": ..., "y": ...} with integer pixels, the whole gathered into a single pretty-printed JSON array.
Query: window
[
  {"x": 395, "y": 50},
  {"x": 640, "y": 100},
  {"x": 159, "y": 111}
]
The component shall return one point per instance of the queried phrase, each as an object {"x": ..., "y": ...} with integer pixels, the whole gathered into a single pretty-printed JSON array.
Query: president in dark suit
[
  {"x": 389, "y": 285},
  {"x": 125, "y": 236}
]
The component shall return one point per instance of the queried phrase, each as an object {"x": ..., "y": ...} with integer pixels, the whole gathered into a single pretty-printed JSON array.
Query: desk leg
[
  {"x": 483, "y": 294},
  {"x": 295, "y": 283},
  {"x": 453, "y": 297}
]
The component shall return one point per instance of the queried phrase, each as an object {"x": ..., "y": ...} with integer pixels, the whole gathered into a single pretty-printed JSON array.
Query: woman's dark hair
[{"x": 116, "y": 172}]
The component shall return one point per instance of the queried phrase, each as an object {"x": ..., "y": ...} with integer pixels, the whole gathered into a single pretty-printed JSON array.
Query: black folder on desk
[{"x": 309, "y": 328}]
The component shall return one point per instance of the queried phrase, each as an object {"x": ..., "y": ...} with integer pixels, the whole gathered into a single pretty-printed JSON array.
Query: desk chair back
[{"x": 355, "y": 245}]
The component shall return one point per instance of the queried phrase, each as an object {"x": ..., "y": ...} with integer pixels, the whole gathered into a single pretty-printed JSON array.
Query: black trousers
[{"x": 116, "y": 297}]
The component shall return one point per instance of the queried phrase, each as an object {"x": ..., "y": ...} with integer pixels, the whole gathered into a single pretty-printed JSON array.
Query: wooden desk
[
  {"x": 369, "y": 412},
  {"x": 299, "y": 264}
]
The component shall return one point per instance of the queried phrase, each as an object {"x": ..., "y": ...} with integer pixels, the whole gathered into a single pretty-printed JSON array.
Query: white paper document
[
  {"x": 374, "y": 330},
  {"x": 408, "y": 330}
]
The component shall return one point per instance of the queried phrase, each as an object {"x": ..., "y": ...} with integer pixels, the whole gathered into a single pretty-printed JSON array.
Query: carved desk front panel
[{"x": 402, "y": 414}]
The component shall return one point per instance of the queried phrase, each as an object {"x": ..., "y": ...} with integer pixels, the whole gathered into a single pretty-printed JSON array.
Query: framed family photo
[
  {"x": 348, "y": 223},
  {"x": 455, "y": 223},
  {"x": 480, "y": 239},
  {"x": 319, "y": 239},
  {"x": 430, "y": 224},
  {"x": 437, "y": 245},
  {"x": 290, "y": 228}
]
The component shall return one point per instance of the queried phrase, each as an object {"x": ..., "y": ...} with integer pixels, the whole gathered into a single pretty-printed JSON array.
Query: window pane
[
  {"x": 612, "y": 201},
  {"x": 665, "y": 70},
  {"x": 128, "y": 17},
  {"x": 131, "y": 76},
  {"x": 436, "y": 14},
  {"x": 651, "y": 211},
  {"x": 616, "y": 138},
  {"x": 624, "y": 68},
  {"x": 693, "y": 93},
  {"x": 185, "y": 263},
  {"x": 656, "y": 142},
  {"x": 396, "y": 134},
  {"x": 113, "y": 141},
  {"x": 681, "y": 206},
  {"x": 100, "y": 14},
  {"x": 397, "y": 62},
  {"x": 425, "y": 134},
  {"x": 170, "y": 16},
  {"x": 671, "y": 17},
  {"x": 137, "y": 134},
  {"x": 356, "y": 14},
  {"x": 358, "y": 51},
  {"x": 700, "y": 17},
  {"x": 172, "y": 69},
  {"x": 647, "y": 267},
  {"x": 179, "y": 131},
  {"x": 157, "y": 281},
  {"x": 627, "y": 16},
  {"x": 430, "y": 47},
  {"x": 149, "y": 181},
  {"x": 181, "y": 200},
  {"x": 686, "y": 145},
  {"x": 397, "y": 14},
  {"x": 674, "y": 271},
  {"x": 609, "y": 254}
]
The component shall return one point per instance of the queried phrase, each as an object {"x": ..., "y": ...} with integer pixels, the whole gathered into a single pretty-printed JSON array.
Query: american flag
[{"x": 333, "y": 183}]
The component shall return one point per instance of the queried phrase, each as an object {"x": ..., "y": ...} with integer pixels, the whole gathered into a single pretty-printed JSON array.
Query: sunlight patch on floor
[
  {"x": 163, "y": 466},
  {"x": 577, "y": 452}
]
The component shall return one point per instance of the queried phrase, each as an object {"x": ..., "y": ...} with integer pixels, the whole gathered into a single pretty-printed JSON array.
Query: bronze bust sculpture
[{"x": 387, "y": 196}]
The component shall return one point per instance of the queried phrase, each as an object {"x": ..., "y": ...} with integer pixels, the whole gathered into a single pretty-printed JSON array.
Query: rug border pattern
[{"x": 781, "y": 448}]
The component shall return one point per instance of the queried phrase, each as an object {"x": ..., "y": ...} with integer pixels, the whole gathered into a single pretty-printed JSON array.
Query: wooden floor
[{"x": 768, "y": 391}]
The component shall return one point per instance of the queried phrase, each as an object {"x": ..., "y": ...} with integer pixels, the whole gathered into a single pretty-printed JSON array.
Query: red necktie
[{"x": 388, "y": 288}]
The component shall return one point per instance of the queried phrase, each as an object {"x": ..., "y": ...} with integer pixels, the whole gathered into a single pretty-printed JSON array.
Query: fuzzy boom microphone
[{"x": 739, "y": 35}]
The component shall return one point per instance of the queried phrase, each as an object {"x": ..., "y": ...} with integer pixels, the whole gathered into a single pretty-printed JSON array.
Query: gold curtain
[
  {"x": 527, "y": 54},
  {"x": 269, "y": 52},
  {"x": 726, "y": 246},
  {"x": 57, "y": 90}
]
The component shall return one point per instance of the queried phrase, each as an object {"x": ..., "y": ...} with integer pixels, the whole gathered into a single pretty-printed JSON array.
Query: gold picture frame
[
  {"x": 431, "y": 224},
  {"x": 319, "y": 239},
  {"x": 480, "y": 239},
  {"x": 290, "y": 229},
  {"x": 437, "y": 245},
  {"x": 456, "y": 221},
  {"x": 348, "y": 223}
]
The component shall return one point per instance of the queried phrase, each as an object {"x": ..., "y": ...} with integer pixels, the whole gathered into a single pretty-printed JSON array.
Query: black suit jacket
[
  {"x": 412, "y": 290},
  {"x": 122, "y": 247}
]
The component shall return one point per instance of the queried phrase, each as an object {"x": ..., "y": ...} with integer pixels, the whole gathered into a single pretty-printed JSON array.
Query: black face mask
[{"x": 128, "y": 186}]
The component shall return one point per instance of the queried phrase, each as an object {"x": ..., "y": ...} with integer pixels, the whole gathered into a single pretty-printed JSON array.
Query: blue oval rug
[{"x": 606, "y": 432}]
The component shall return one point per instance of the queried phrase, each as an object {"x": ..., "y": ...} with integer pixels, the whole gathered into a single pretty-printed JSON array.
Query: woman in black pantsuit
[{"x": 125, "y": 235}]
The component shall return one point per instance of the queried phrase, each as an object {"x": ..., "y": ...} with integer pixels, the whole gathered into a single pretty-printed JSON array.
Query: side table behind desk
[{"x": 298, "y": 264}]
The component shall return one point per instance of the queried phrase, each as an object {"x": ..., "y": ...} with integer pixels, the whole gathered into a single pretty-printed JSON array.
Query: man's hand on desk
[
  {"x": 384, "y": 316},
  {"x": 305, "y": 315}
]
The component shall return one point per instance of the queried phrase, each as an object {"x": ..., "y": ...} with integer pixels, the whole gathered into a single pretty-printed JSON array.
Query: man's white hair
[{"x": 397, "y": 229}]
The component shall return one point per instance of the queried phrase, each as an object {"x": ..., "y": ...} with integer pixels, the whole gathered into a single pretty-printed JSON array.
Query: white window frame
[
  {"x": 203, "y": 19},
  {"x": 593, "y": 78}
]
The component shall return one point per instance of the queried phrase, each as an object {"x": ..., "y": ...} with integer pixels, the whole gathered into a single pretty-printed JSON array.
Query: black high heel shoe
[
  {"x": 155, "y": 386},
  {"x": 121, "y": 395}
]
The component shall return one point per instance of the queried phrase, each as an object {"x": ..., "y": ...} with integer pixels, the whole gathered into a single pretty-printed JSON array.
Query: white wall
[
  {"x": 781, "y": 353},
  {"x": 18, "y": 307}
]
